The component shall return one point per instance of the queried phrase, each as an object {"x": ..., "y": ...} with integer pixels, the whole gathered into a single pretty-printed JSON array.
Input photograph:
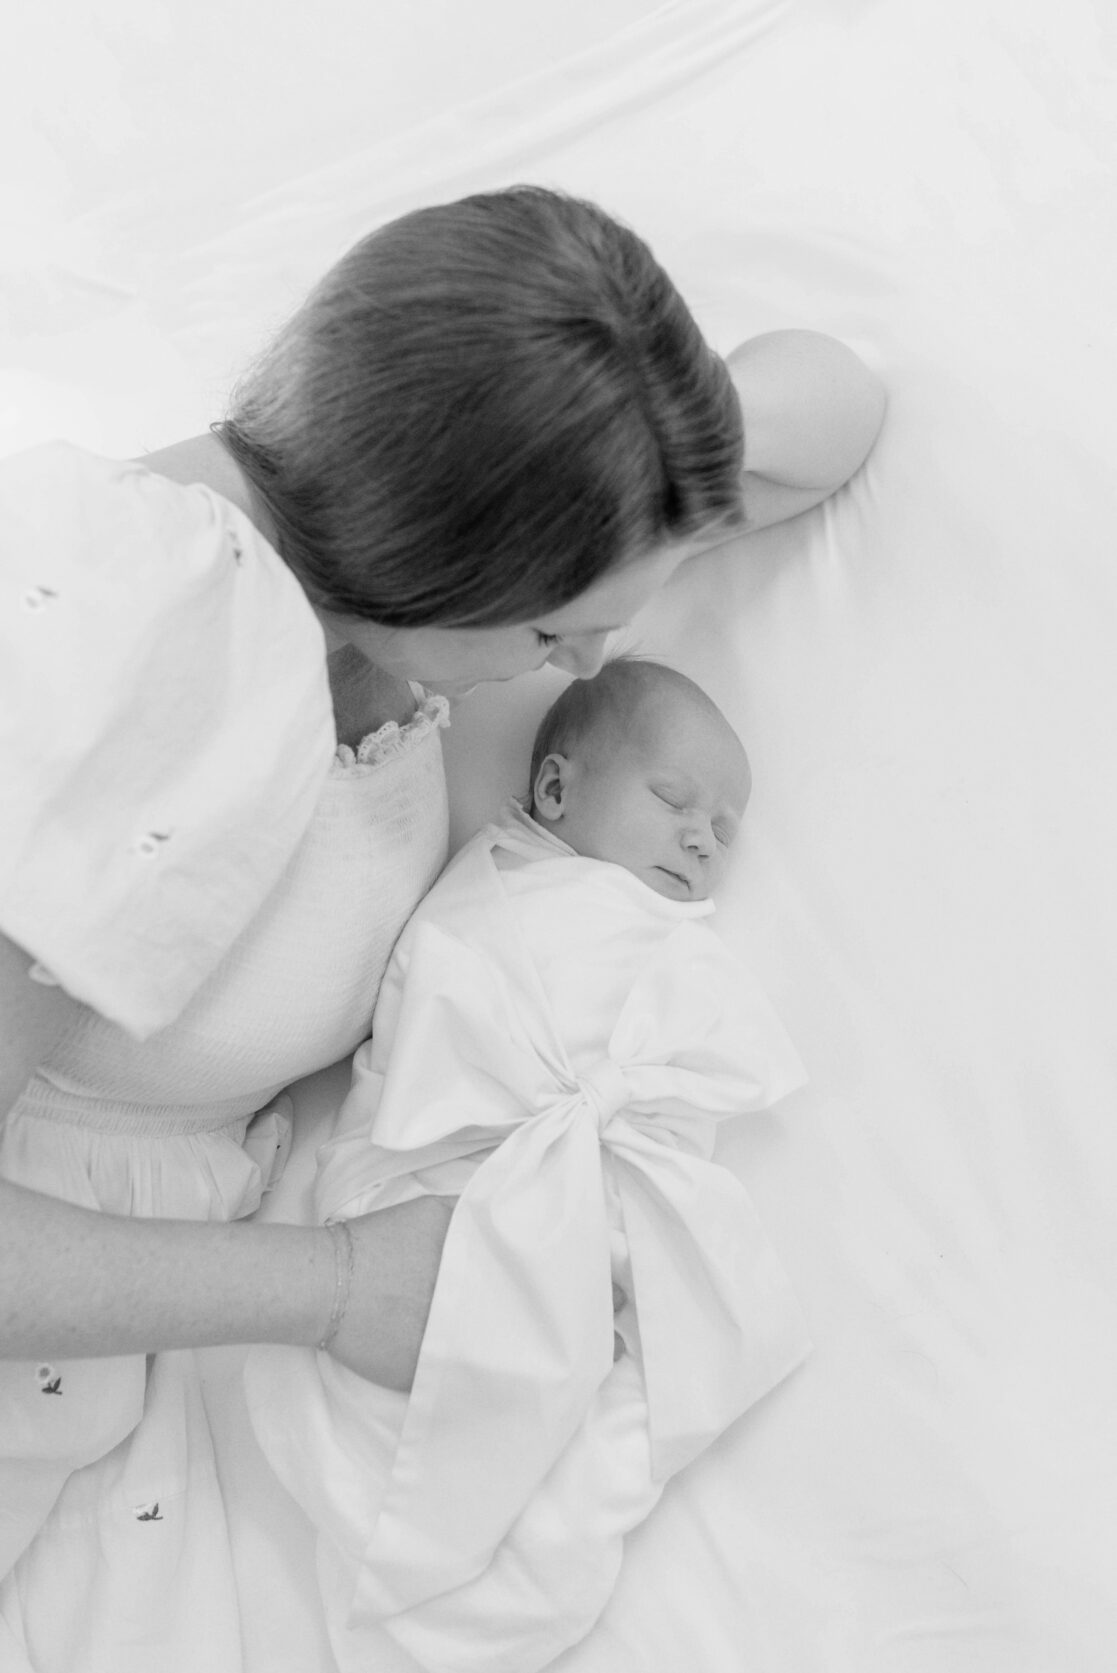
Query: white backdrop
[{"x": 923, "y": 671}]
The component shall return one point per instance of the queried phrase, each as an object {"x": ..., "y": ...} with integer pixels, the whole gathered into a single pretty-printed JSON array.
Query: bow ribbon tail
[
  {"x": 516, "y": 1344},
  {"x": 719, "y": 1321}
]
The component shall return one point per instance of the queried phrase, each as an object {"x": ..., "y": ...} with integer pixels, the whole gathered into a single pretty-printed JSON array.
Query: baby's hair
[
  {"x": 610, "y": 698},
  {"x": 481, "y": 409}
]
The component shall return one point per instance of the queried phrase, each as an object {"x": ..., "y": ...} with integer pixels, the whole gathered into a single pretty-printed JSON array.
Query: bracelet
[{"x": 344, "y": 1255}]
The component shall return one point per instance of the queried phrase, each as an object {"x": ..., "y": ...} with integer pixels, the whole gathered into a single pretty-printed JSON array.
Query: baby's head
[{"x": 640, "y": 767}]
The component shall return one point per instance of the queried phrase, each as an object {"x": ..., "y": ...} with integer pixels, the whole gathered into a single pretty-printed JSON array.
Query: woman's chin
[{"x": 456, "y": 691}]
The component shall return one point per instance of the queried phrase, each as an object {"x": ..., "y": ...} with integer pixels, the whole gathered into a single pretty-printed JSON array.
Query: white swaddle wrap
[{"x": 554, "y": 1042}]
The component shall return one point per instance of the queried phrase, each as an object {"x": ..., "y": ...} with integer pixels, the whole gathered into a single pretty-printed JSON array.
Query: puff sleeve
[{"x": 165, "y": 727}]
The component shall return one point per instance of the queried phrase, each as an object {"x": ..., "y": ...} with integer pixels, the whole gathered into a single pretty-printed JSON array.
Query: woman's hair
[{"x": 481, "y": 409}]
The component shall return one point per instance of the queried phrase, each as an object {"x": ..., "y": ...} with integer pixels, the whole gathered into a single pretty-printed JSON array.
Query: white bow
[{"x": 520, "y": 1336}]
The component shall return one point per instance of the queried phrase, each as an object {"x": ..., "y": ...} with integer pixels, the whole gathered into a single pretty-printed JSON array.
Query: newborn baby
[
  {"x": 640, "y": 768},
  {"x": 556, "y": 1038}
]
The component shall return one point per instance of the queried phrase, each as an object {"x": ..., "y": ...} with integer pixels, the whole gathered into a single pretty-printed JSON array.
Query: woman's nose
[{"x": 582, "y": 656}]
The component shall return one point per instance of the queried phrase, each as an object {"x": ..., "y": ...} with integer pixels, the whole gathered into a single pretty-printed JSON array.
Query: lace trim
[{"x": 392, "y": 739}]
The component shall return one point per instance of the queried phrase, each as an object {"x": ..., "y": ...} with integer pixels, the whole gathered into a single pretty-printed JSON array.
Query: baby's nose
[{"x": 699, "y": 838}]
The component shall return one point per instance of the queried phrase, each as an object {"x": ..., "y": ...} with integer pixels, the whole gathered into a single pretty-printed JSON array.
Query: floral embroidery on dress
[
  {"x": 152, "y": 842},
  {"x": 36, "y": 597}
]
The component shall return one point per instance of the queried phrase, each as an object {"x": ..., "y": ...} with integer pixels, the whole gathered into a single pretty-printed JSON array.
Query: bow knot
[{"x": 605, "y": 1089}]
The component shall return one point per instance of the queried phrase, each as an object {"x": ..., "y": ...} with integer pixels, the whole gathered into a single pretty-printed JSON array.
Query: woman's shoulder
[
  {"x": 126, "y": 589},
  {"x": 116, "y": 530},
  {"x": 58, "y": 489}
]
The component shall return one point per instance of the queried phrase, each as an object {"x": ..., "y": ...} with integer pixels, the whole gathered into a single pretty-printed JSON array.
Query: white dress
[
  {"x": 183, "y": 847},
  {"x": 554, "y": 1044}
]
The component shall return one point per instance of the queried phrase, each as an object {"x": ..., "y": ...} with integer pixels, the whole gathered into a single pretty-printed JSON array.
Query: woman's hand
[{"x": 396, "y": 1255}]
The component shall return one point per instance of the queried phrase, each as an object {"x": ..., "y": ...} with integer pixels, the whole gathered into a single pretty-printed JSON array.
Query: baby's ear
[{"x": 549, "y": 790}]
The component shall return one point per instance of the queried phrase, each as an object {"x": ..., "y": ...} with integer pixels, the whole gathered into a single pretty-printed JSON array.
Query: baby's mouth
[{"x": 678, "y": 877}]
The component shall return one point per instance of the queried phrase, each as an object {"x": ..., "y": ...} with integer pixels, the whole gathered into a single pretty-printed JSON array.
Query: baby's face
[{"x": 664, "y": 800}]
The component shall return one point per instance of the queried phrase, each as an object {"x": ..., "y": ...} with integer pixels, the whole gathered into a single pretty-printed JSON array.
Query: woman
[{"x": 488, "y": 437}]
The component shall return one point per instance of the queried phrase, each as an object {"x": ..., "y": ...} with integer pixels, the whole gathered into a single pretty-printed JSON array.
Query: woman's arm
[
  {"x": 77, "y": 1283},
  {"x": 812, "y": 411},
  {"x": 81, "y": 1284}
]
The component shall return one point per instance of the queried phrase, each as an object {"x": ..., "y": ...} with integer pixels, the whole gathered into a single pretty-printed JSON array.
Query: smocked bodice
[{"x": 296, "y": 990}]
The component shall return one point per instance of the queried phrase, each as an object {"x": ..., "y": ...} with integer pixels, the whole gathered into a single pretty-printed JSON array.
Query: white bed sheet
[{"x": 922, "y": 668}]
